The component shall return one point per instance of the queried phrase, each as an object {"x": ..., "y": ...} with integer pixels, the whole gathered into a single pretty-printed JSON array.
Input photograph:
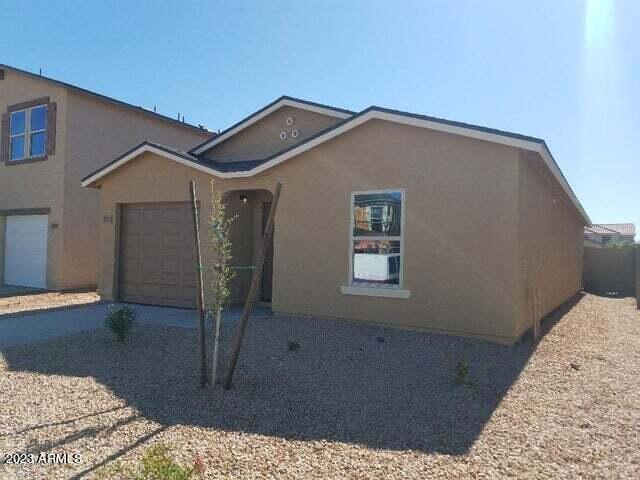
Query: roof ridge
[
  {"x": 106, "y": 98},
  {"x": 265, "y": 109}
]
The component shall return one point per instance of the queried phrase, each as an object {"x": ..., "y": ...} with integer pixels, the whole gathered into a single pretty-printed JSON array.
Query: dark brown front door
[
  {"x": 157, "y": 264},
  {"x": 267, "y": 270}
]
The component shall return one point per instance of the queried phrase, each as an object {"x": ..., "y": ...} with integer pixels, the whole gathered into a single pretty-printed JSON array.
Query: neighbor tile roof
[{"x": 609, "y": 228}]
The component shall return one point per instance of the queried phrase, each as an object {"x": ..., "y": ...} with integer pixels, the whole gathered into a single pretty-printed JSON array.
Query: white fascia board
[
  {"x": 551, "y": 164},
  {"x": 176, "y": 158},
  {"x": 524, "y": 144},
  {"x": 285, "y": 102}
]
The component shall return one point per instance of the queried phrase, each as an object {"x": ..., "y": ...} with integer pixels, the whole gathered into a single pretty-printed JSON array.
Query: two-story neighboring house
[{"x": 52, "y": 135}]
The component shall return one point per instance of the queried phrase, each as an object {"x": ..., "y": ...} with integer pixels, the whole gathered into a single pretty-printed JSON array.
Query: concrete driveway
[{"x": 28, "y": 328}]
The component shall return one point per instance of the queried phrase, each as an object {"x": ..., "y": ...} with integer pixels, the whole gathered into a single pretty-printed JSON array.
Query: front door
[{"x": 267, "y": 270}]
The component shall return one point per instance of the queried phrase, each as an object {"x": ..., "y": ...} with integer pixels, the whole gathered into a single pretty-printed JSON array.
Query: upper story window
[{"x": 28, "y": 133}]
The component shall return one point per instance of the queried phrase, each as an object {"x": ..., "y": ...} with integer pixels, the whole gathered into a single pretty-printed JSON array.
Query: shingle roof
[
  {"x": 253, "y": 167},
  {"x": 613, "y": 228}
]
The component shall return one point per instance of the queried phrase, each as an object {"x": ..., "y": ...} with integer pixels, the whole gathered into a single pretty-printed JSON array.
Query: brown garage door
[{"x": 157, "y": 263}]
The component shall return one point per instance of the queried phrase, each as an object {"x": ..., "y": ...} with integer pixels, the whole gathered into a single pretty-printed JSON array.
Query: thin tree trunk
[{"x": 216, "y": 346}]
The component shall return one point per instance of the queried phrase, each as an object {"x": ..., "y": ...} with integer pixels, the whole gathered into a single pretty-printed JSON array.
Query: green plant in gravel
[
  {"x": 156, "y": 464},
  {"x": 220, "y": 244},
  {"x": 120, "y": 320},
  {"x": 462, "y": 373}
]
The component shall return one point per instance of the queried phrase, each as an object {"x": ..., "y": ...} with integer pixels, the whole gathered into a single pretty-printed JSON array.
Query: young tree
[{"x": 220, "y": 244}]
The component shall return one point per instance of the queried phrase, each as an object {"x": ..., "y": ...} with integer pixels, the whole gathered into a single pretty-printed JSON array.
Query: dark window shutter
[
  {"x": 4, "y": 141},
  {"x": 51, "y": 127}
]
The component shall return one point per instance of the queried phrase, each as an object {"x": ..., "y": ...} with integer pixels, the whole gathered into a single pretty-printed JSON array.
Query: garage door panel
[
  {"x": 175, "y": 215},
  {"x": 151, "y": 241},
  {"x": 173, "y": 241},
  {"x": 152, "y": 215},
  {"x": 132, "y": 240},
  {"x": 156, "y": 257},
  {"x": 25, "y": 257}
]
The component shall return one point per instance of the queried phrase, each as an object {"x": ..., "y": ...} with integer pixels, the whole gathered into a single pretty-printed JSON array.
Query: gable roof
[
  {"x": 104, "y": 98},
  {"x": 627, "y": 229},
  {"x": 284, "y": 101},
  {"x": 250, "y": 168}
]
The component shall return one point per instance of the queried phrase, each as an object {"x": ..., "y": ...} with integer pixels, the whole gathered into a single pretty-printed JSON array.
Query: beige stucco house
[
  {"x": 53, "y": 135},
  {"x": 385, "y": 217}
]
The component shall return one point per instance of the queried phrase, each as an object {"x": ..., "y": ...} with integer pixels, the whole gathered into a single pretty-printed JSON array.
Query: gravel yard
[
  {"x": 351, "y": 402},
  {"x": 45, "y": 301}
]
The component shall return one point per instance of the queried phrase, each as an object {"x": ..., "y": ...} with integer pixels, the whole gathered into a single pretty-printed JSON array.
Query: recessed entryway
[{"x": 25, "y": 257}]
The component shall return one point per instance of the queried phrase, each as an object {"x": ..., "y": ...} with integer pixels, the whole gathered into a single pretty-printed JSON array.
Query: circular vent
[
  {"x": 295, "y": 133},
  {"x": 283, "y": 135},
  {"x": 289, "y": 121}
]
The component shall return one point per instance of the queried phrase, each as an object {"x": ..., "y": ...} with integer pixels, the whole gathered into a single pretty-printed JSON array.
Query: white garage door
[{"x": 25, "y": 258}]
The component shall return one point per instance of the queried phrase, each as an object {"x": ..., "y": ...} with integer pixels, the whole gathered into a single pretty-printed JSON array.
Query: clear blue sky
[{"x": 567, "y": 71}]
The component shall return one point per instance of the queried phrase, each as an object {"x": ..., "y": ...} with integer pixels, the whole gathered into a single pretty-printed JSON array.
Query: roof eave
[{"x": 496, "y": 136}]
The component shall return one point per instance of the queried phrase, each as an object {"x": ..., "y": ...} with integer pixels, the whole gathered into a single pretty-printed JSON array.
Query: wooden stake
[
  {"x": 216, "y": 344},
  {"x": 248, "y": 307},
  {"x": 200, "y": 299}
]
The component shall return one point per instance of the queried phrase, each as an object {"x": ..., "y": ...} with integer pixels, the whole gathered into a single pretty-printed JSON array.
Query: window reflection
[{"x": 377, "y": 214}]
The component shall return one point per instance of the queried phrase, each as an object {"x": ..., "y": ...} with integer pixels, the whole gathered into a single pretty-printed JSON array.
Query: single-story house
[
  {"x": 600, "y": 235},
  {"x": 385, "y": 217}
]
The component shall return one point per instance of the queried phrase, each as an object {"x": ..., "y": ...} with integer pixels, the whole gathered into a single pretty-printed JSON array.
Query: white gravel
[{"x": 352, "y": 402}]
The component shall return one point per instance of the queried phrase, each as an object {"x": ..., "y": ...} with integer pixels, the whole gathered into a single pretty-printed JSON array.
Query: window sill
[
  {"x": 375, "y": 291},
  {"x": 22, "y": 161}
]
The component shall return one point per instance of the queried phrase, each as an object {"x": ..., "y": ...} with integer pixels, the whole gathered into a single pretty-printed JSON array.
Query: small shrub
[
  {"x": 293, "y": 346},
  {"x": 462, "y": 372},
  {"x": 120, "y": 320},
  {"x": 156, "y": 464}
]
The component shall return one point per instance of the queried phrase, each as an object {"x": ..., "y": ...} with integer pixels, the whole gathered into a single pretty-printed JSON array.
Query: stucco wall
[
  {"x": 461, "y": 242},
  {"x": 89, "y": 133},
  {"x": 550, "y": 241},
  {"x": 38, "y": 184},
  {"x": 98, "y": 132},
  {"x": 263, "y": 137}
]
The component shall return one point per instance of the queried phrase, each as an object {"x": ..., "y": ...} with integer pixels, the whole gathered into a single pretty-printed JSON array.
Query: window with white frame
[
  {"x": 376, "y": 243},
  {"x": 28, "y": 133}
]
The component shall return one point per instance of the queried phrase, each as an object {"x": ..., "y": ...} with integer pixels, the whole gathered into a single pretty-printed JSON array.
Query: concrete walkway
[{"x": 41, "y": 326}]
